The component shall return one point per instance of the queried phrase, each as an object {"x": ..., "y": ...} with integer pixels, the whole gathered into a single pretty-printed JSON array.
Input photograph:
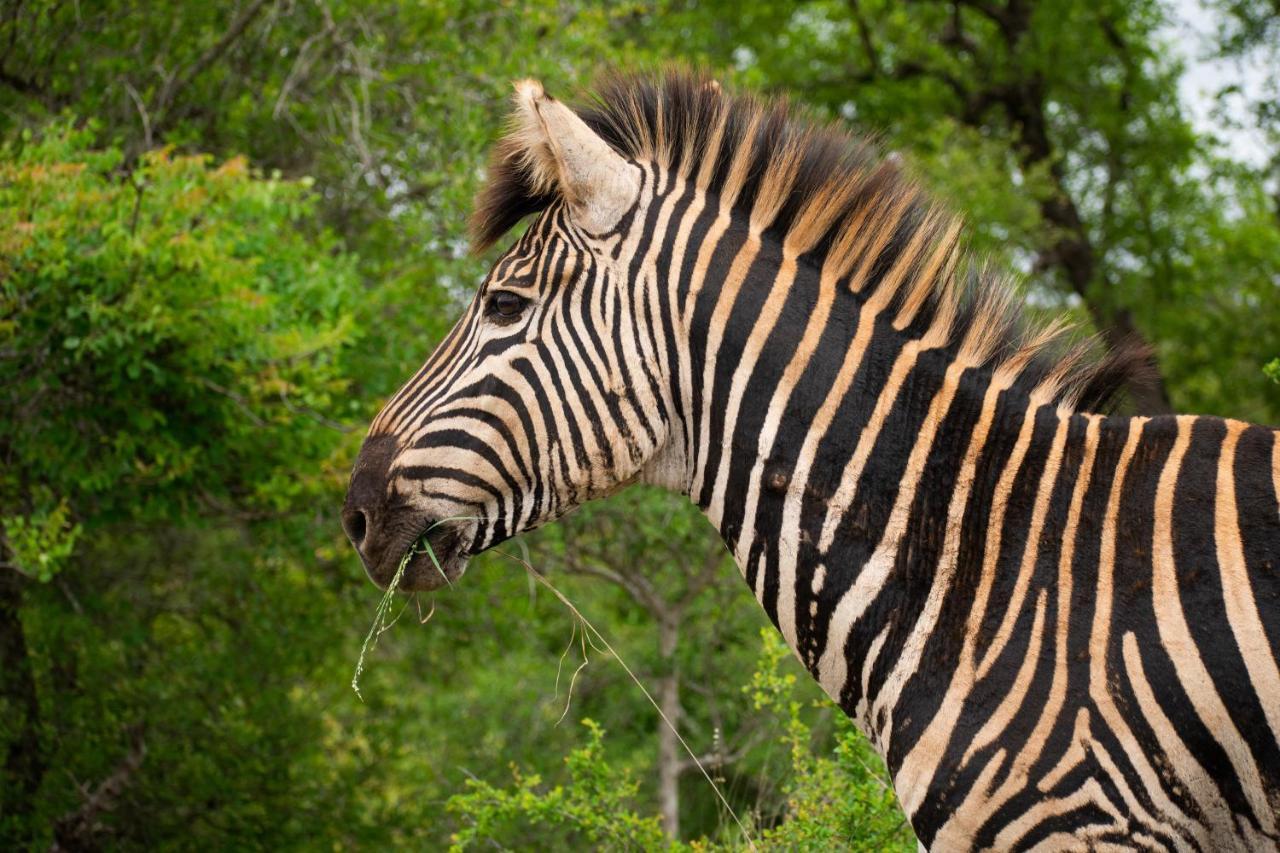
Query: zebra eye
[{"x": 506, "y": 305}]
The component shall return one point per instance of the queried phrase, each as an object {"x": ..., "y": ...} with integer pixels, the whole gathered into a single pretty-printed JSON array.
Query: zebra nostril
[{"x": 355, "y": 523}]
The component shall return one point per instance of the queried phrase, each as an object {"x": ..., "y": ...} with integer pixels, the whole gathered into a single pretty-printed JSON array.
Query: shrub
[{"x": 169, "y": 339}]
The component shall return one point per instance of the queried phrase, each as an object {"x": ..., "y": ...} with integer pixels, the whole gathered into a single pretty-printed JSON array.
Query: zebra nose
[
  {"x": 355, "y": 522},
  {"x": 364, "y": 515}
]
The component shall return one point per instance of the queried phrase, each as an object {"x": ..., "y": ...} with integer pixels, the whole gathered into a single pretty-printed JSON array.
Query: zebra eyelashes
[{"x": 505, "y": 306}]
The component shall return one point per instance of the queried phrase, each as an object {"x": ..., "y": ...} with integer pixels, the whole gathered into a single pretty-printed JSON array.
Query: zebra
[{"x": 1059, "y": 627}]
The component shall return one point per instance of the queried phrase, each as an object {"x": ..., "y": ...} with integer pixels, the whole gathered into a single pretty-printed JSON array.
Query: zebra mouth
[{"x": 436, "y": 558}]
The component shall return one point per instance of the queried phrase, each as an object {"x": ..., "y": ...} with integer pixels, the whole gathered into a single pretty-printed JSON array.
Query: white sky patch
[{"x": 1192, "y": 34}]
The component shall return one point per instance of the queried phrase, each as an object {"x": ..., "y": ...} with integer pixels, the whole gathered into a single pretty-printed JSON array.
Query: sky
[{"x": 1191, "y": 34}]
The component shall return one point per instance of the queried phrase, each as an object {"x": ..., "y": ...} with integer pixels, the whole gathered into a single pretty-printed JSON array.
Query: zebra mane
[{"x": 832, "y": 199}]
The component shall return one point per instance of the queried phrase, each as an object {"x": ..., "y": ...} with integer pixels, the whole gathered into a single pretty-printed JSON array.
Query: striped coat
[{"x": 1059, "y": 627}]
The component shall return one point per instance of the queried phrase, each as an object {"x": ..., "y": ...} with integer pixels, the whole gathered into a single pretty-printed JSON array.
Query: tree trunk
[
  {"x": 23, "y": 763},
  {"x": 669, "y": 759},
  {"x": 1022, "y": 95}
]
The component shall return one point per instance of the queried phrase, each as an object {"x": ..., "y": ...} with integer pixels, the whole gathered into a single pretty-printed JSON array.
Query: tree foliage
[{"x": 172, "y": 339}]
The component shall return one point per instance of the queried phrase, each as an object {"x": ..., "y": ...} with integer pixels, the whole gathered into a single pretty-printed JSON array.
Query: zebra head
[{"x": 547, "y": 392}]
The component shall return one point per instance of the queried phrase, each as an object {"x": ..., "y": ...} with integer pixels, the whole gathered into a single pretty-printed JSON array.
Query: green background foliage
[{"x": 229, "y": 230}]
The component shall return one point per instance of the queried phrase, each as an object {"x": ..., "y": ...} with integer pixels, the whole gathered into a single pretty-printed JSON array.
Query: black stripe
[
  {"x": 1259, "y": 514},
  {"x": 718, "y": 268},
  {"x": 921, "y": 548},
  {"x": 775, "y": 354},
  {"x": 1133, "y": 610},
  {"x": 833, "y": 453},
  {"x": 1200, "y": 589}
]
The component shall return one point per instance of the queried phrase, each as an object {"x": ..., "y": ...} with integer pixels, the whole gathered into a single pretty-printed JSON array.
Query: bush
[
  {"x": 841, "y": 799},
  {"x": 169, "y": 334},
  {"x": 837, "y": 799},
  {"x": 594, "y": 809}
]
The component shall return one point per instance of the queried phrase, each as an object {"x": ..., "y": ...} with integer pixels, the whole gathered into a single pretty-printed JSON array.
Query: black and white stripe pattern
[{"x": 1061, "y": 629}]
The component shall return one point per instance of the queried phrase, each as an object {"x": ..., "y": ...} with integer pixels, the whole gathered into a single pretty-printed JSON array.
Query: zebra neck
[{"x": 843, "y": 511}]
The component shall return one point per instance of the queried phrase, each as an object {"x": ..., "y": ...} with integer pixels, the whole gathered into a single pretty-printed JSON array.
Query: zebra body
[{"x": 1059, "y": 628}]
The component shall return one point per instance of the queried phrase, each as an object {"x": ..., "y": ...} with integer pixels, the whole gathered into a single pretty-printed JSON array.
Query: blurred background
[{"x": 230, "y": 230}]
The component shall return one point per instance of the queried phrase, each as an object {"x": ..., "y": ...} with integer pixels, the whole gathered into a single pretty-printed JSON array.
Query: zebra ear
[{"x": 559, "y": 152}]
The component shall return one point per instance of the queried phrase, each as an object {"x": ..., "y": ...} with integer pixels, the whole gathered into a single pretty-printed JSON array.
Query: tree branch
[
  {"x": 864, "y": 34},
  {"x": 1072, "y": 251},
  {"x": 21, "y": 84},
  {"x": 637, "y": 592},
  {"x": 181, "y": 80},
  {"x": 76, "y": 829}
]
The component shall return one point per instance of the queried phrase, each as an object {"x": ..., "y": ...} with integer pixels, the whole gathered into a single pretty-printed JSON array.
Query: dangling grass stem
[
  {"x": 422, "y": 620},
  {"x": 573, "y": 636},
  {"x": 379, "y": 622},
  {"x": 592, "y": 635}
]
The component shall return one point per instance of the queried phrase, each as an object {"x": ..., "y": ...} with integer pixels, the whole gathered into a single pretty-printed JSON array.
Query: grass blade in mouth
[
  {"x": 380, "y": 624},
  {"x": 430, "y": 552}
]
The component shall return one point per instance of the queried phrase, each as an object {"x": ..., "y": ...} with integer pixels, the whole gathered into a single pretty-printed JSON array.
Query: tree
[
  {"x": 1055, "y": 127},
  {"x": 1249, "y": 31},
  {"x": 170, "y": 351}
]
